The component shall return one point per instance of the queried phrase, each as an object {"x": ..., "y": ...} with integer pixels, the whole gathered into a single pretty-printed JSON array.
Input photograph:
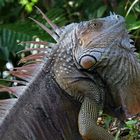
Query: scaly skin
[
  {"x": 104, "y": 46},
  {"x": 89, "y": 91},
  {"x": 81, "y": 85},
  {"x": 87, "y": 122},
  {"x": 95, "y": 64},
  {"x": 99, "y": 47}
]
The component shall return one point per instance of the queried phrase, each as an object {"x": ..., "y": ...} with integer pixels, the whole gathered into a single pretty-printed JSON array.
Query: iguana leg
[{"x": 87, "y": 122}]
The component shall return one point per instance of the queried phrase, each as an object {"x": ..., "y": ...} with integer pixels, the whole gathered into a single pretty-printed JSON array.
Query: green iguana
[{"x": 93, "y": 62}]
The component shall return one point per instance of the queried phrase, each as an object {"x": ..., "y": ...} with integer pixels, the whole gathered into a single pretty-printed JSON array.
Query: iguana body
[
  {"x": 114, "y": 75},
  {"x": 95, "y": 64},
  {"x": 40, "y": 114}
]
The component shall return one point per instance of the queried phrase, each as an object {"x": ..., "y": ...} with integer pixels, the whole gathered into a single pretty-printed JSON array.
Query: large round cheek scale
[{"x": 87, "y": 62}]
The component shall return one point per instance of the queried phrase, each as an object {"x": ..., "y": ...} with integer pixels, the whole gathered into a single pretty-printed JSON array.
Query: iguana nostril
[{"x": 87, "y": 61}]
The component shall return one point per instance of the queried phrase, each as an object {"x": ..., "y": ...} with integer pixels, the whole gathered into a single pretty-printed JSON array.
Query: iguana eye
[
  {"x": 87, "y": 61},
  {"x": 95, "y": 25}
]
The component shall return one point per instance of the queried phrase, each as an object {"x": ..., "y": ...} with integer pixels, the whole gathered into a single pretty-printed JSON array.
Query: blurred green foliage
[
  {"x": 28, "y": 4},
  {"x": 15, "y": 27}
]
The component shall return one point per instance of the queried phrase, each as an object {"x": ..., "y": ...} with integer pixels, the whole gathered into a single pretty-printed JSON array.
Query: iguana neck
[
  {"x": 120, "y": 71},
  {"x": 63, "y": 61}
]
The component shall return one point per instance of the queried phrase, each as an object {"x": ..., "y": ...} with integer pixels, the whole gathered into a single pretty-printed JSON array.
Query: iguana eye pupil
[
  {"x": 118, "y": 16},
  {"x": 87, "y": 61},
  {"x": 95, "y": 24}
]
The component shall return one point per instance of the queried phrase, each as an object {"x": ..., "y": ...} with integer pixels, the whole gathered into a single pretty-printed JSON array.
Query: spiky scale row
[
  {"x": 26, "y": 72},
  {"x": 5, "y": 106},
  {"x": 55, "y": 27},
  {"x": 13, "y": 90}
]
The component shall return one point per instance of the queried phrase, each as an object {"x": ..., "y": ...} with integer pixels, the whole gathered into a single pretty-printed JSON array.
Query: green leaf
[
  {"x": 9, "y": 40},
  {"x": 117, "y": 135},
  {"x": 130, "y": 8},
  {"x": 23, "y": 2},
  {"x": 134, "y": 26},
  {"x": 101, "y": 11},
  {"x": 131, "y": 122}
]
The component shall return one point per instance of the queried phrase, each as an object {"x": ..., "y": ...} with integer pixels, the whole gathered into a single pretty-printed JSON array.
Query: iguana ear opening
[{"x": 87, "y": 61}]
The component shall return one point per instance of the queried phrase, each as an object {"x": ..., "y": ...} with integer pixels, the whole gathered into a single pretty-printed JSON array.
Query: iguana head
[
  {"x": 96, "y": 36},
  {"x": 103, "y": 45}
]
